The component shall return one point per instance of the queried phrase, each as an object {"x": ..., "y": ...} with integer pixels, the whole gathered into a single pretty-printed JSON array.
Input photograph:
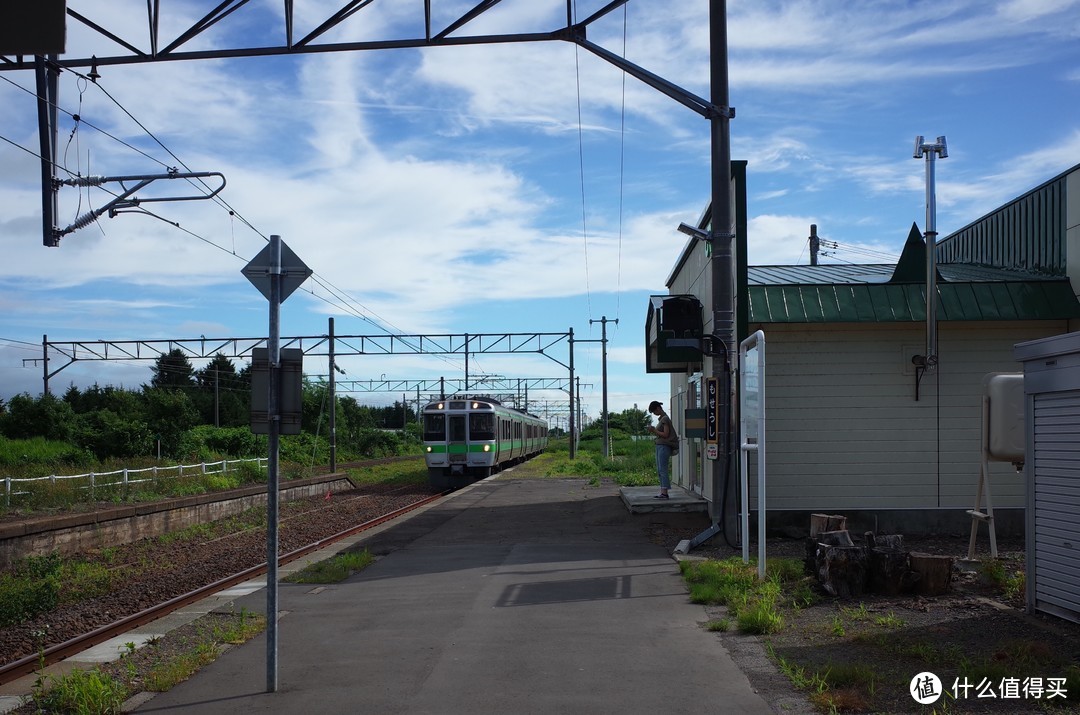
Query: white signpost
[
  {"x": 752, "y": 437},
  {"x": 276, "y": 272}
]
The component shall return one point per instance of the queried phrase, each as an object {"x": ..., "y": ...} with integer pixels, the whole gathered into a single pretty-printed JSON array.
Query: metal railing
[{"x": 125, "y": 478}]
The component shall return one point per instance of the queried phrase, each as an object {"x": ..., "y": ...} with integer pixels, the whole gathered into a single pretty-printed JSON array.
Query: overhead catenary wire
[
  {"x": 581, "y": 174},
  {"x": 622, "y": 176},
  {"x": 343, "y": 300}
]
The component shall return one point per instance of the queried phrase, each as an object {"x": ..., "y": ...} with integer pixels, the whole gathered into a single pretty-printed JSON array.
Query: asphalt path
[{"x": 512, "y": 596}]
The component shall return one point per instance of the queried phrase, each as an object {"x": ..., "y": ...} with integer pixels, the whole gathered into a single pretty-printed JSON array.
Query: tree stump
[
  {"x": 884, "y": 541},
  {"x": 889, "y": 572},
  {"x": 827, "y": 538},
  {"x": 826, "y": 522},
  {"x": 934, "y": 573},
  {"x": 842, "y": 570}
]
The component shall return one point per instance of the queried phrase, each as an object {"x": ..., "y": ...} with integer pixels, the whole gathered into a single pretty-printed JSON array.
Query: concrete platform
[
  {"x": 530, "y": 596},
  {"x": 639, "y": 500}
]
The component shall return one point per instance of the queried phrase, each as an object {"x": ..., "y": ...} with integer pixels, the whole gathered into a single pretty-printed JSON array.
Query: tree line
[{"x": 185, "y": 413}]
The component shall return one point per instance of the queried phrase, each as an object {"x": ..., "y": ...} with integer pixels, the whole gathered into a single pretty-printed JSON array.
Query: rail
[{"x": 60, "y": 651}]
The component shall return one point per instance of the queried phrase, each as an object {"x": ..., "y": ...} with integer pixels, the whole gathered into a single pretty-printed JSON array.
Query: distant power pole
[{"x": 603, "y": 361}]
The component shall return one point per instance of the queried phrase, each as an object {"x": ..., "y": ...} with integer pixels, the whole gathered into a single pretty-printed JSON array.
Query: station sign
[{"x": 712, "y": 409}]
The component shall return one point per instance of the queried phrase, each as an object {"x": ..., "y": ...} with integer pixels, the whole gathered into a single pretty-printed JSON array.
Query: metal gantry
[
  {"x": 449, "y": 31},
  {"x": 331, "y": 346}
]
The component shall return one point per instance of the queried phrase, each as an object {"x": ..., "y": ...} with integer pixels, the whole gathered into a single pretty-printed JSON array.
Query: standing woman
[{"x": 665, "y": 441}]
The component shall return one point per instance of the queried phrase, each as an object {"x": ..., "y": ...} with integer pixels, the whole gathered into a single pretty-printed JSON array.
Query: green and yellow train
[{"x": 469, "y": 438}]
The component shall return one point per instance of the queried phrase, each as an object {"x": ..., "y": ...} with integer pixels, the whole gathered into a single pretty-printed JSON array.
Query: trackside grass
[{"x": 332, "y": 570}]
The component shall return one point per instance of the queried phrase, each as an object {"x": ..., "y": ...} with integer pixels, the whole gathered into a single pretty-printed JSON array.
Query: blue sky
[{"x": 517, "y": 188}]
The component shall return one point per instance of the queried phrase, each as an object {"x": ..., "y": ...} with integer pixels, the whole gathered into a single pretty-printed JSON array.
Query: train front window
[
  {"x": 482, "y": 427},
  {"x": 434, "y": 428},
  {"x": 457, "y": 428}
]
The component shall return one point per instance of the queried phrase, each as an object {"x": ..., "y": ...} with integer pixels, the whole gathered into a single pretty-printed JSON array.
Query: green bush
[
  {"x": 208, "y": 443},
  {"x": 42, "y": 453},
  {"x": 109, "y": 435}
]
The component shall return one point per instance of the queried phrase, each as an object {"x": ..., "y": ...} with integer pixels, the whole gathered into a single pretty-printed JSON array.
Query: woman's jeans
[{"x": 663, "y": 457}]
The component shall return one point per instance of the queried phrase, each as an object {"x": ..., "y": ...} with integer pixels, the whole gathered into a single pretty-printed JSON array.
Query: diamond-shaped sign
[{"x": 293, "y": 271}]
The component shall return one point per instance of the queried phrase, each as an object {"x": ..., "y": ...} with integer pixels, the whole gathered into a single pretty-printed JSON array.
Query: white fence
[{"x": 123, "y": 478}]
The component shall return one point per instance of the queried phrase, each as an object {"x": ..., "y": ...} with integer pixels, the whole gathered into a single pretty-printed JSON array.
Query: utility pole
[
  {"x": 217, "y": 398},
  {"x": 721, "y": 264},
  {"x": 603, "y": 362},
  {"x": 578, "y": 380}
]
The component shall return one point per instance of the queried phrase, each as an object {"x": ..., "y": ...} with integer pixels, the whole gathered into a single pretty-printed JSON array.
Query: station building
[{"x": 854, "y": 424}]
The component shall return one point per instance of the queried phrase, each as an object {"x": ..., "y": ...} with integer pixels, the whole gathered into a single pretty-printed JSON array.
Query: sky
[{"x": 519, "y": 188}]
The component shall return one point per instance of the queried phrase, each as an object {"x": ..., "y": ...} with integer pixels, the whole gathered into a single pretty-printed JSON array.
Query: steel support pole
[
  {"x": 722, "y": 239},
  {"x": 333, "y": 402},
  {"x": 578, "y": 388},
  {"x": 45, "y": 362},
  {"x": 931, "y": 260},
  {"x": 570, "y": 422},
  {"x": 603, "y": 363},
  {"x": 274, "y": 431},
  {"x": 47, "y": 76}
]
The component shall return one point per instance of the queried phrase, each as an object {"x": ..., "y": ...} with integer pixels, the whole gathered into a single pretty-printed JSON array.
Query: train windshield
[
  {"x": 457, "y": 428},
  {"x": 482, "y": 427},
  {"x": 434, "y": 428}
]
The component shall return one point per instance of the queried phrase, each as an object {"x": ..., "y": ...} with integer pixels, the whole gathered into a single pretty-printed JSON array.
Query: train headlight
[
  {"x": 487, "y": 447},
  {"x": 429, "y": 448},
  {"x": 475, "y": 405},
  {"x": 439, "y": 406}
]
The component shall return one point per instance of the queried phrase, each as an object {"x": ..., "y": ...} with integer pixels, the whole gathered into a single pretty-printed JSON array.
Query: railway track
[{"x": 77, "y": 644}]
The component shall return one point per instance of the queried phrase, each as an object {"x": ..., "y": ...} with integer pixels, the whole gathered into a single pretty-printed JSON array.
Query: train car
[{"x": 468, "y": 438}]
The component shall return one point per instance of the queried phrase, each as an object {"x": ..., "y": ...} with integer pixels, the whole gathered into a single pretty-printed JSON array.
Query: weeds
[
  {"x": 1009, "y": 582},
  {"x": 755, "y": 605},
  {"x": 332, "y": 570},
  {"x": 889, "y": 621},
  {"x": 88, "y": 692}
]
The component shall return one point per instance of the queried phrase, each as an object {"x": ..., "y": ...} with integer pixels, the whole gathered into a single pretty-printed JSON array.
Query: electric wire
[
  {"x": 340, "y": 295},
  {"x": 622, "y": 177},
  {"x": 343, "y": 300},
  {"x": 581, "y": 174},
  {"x": 337, "y": 292}
]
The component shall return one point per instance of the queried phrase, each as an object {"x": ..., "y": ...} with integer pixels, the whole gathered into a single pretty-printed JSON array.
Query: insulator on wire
[{"x": 84, "y": 181}]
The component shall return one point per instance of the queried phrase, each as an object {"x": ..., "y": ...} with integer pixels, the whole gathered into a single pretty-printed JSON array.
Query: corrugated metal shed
[
  {"x": 1052, "y": 473},
  {"x": 882, "y": 293},
  {"x": 1028, "y": 233},
  {"x": 889, "y": 302}
]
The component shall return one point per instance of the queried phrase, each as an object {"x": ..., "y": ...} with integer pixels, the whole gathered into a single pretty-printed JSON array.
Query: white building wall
[
  {"x": 844, "y": 430},
  {"x": 1072, "y": 229}
]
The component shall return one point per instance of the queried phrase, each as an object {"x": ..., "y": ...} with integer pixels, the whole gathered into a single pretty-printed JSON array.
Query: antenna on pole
[{"x": 930, "y": 151}]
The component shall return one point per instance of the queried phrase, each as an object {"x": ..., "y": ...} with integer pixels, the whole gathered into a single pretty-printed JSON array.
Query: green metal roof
[{"x": 890, "y": 294}]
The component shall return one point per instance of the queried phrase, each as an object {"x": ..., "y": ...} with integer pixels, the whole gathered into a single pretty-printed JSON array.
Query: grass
[
  {"x": 754, "y": 605},
  {"x": 631, "y": 463},
  {"x": 333, "y": 570},
  {"x": 157, "y": 667},
  {"x": 857, "y": 657},
  {"x": 1007, "y": 579},
  {"x": 399, "y": 473}
]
